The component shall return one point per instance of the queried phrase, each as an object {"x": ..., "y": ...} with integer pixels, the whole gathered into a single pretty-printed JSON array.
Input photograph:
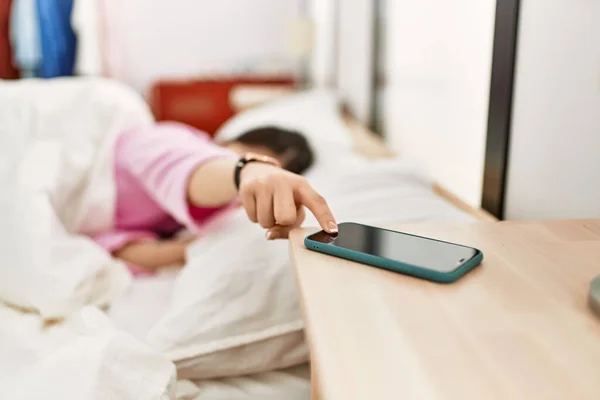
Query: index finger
[{"x": 319, "y": 208}]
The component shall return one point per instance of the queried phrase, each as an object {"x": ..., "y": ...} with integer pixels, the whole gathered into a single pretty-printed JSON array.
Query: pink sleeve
[{"x": 162, "y": 158}]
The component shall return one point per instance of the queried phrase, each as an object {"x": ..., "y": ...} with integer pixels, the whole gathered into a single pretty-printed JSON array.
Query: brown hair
[{"x": 291, "y": 145}]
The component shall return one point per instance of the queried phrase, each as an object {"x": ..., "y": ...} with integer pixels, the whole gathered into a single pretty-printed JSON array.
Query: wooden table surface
[{"x": 518, "y": 327}]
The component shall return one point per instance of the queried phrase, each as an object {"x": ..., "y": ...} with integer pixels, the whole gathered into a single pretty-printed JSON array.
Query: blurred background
[{"x": 498, "y": 100}]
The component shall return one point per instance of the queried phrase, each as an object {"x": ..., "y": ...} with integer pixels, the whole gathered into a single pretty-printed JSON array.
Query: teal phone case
[{"x": 397, "y": 266}]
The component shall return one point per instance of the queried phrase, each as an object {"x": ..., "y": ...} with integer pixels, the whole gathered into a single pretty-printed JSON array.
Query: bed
[{"x": 26, "y": 338}]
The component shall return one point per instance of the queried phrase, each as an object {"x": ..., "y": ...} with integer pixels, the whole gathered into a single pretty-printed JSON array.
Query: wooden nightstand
[{"x": 518, "y": 327}]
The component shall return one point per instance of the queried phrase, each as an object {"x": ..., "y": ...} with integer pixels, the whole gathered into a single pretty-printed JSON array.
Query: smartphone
[{"x": 408, "y": 254}]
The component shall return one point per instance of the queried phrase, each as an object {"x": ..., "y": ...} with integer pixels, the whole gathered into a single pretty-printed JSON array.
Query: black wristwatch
[{"x": 248, "y": 158}]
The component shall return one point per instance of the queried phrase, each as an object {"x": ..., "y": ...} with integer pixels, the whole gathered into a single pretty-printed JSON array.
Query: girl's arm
[
  {"x": 179, "y": 168},
  {"x": 271, "y": 196},
  {"x": 152, "y": 254}
]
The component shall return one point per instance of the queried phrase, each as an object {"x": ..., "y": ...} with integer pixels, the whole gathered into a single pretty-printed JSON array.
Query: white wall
[
  {"x": 555, "y": 140},
  {"x": 354, "y": 65},
  {"x": 438, "y": 66},
  {"x": 174, "y": 38},
  {"x": 322, "y": 60}
]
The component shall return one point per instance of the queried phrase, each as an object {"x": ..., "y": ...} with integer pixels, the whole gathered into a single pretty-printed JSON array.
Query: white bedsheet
[{"x": 380, "y": 192}]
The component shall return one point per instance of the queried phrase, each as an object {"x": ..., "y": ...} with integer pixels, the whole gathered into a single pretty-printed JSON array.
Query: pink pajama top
[{"x": 152, "y": 169}]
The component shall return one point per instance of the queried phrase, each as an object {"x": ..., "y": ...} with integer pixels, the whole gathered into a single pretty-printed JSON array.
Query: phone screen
[{"x": 414, "y": 250}]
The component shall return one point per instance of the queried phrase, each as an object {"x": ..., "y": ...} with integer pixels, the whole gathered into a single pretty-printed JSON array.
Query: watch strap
[{"x": 245, "y": 160}]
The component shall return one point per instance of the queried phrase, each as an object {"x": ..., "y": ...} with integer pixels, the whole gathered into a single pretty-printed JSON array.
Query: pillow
[
  {"x": 314, "y": 113},
  {"x": 234, "y": 307}
]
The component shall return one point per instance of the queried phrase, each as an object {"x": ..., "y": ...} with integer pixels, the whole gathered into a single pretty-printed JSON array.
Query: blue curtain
[{"x": 58, "y": 41}]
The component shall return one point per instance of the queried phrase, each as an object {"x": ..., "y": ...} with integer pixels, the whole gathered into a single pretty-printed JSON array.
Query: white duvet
[
  {"x": 83, "y": 357},
  {"x": 56, "y": 180}
]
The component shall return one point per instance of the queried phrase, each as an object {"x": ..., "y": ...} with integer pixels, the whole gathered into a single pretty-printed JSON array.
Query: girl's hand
[
  {"x": 187, "y": 239},
  {"x": 152, "y": 254},
  {"x": 275, "y": 198}
]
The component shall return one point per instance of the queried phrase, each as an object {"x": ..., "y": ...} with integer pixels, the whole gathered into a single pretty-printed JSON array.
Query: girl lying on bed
[{"x": 171, "y": 176}]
